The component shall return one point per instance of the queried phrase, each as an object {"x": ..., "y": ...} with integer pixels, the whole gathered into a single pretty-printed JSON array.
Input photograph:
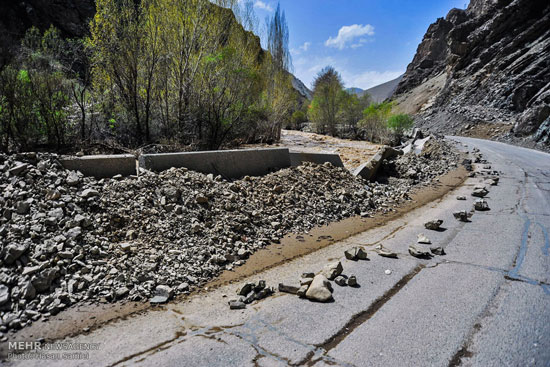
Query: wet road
[{"x": 485, "y": 303}]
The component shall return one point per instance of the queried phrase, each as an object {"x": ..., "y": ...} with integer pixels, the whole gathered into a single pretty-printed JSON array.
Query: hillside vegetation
[{"x": 182, "y": 71}]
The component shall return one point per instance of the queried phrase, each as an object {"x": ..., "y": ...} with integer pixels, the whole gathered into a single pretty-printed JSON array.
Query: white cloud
[
  {"x": 300, "y": 49},
  {"x": 348, "y": 33},
  {"x": 368, "y": 79},
  {"x": 264, "y": 6}
]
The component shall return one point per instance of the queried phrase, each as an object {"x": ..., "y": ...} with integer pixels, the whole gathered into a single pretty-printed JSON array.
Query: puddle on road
[{"x": 72, "y": 321}]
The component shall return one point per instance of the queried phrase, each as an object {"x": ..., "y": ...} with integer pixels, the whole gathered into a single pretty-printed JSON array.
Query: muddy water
[{"x": 72, "y": 321}]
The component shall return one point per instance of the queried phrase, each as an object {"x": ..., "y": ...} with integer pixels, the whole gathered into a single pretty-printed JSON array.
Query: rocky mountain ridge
[{"x": 486, "y": 65}]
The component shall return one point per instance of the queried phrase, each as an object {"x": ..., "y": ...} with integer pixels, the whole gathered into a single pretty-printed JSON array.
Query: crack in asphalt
[{"x": 361, "y": 317}]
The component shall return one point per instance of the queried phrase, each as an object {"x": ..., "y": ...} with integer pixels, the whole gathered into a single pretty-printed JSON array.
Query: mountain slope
[
  {"x": 383, "y": 91},
  {"x": 494, "y": 61}
]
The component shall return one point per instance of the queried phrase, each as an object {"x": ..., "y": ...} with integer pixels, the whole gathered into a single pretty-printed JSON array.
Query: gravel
[{"x": 66, "y": 238}]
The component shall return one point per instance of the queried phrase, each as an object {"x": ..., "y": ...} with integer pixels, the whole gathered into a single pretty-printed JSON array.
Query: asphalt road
[{"x": 485, "y": 303}]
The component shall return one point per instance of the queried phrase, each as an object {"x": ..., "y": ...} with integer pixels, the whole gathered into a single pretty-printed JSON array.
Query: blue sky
[{"x": 368, "y": 41}]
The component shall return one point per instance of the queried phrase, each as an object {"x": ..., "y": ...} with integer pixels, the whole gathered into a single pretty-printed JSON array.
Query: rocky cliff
[{"x": 487, "y": 65}]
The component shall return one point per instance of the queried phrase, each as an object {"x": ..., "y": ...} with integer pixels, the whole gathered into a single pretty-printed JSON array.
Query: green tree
[
  {"x": 351, "y": 111},
  {"x": 399, "y": 124},
  {"x": 327, "y": 96},
  {"x": 374, "y": 122}
]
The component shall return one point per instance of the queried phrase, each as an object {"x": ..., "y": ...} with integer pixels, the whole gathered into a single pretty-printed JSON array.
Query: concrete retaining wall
[
  {"x": 102, "y": 166},
  {"x": 228, "y": 163},
  {"x": 297, "y": 158}
]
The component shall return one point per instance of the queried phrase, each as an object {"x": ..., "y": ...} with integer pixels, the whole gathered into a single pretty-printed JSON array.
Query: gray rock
[
  {"x": 42, "y": 281},
  {"x": 332, "y": 270},
  {"x": 237, "y": 305},
  {"x": 156, "y": 300},
  {"x": 302, "y": 291},
  {"x": 480, "y": 192},
  {"x": 246, "y": 289},
  {"x": 73, "y": 179},
  {"x": 461, "y": 215},
  {"x": 288, "y": 288},
  {"x": 4, "y": 294},
  {"x": 125, "y": 246},
  {"x": 201, "y": 199},
  {"x": 433, "y": 225},
  {"x": 384, "y": 252},
  {"x": 356, "y": 253},
  {"x": 121, "y": 292},
  {"x": 88, "y": 193},
  {"x": 164, "y": 291},
  {"x": 18, "y": 169},
  {"x": 461, "y": 197},
  {"x": 423, "y": 239},
  {"x": 481, "y": 205},
  {"x": 12, "y": 252},
  {"x": 341, "y": 281},
  {"x": 437, "y": 250},
  {"x": 419, "y": 251},
  {"x": 352, "y": 281},
  {"x": 320, "y": 289},
  {"x": 23, "y": 207}
]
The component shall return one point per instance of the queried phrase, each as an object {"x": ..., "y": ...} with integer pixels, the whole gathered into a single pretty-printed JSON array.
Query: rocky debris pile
[
  {"x": 66, "y": 238},
  {"x": 249, "y": 293},
  {"x": 435, "y": 159},
  {"x": 317, "y": 287}
]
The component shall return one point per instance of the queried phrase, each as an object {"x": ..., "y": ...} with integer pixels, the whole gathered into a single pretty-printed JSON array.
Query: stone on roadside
[
  {"x": 480, "y": 192},
  {"x": 237, "y": 305},
  {"x": 419, "y": 251},
  {"x": 246, "y": 289},
  {"x": 302, "y": 291},
  {"x": 356, "y": 253},
  {"x": 423, "y": 239},
  {"x": 332, "y": 270},
  {"x": 340, "y": 280},
  {"x": 288, "y": 288},
  {"x": 162, "y": 294},
  {"x": 352, "y": 281},
  {"x": 461, "y": 215},
  {"x": 387, "y": 272},
  {"x": 433, "y": 225},
  {"x": 461, "y": 197},
  {"x": 384, "y": 252},
  {"x": 481, "y": 205},
  {"x": 320, "y": 289},
  {"x": 305, "y": 281},
  {"x": 437, "y": 250}
]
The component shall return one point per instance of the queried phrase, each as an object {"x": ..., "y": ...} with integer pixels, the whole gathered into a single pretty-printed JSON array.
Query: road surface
[{"x": 485, "y": 303}]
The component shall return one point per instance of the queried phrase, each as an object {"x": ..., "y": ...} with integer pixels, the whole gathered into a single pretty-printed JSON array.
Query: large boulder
[{"x": 320, "y": 289}]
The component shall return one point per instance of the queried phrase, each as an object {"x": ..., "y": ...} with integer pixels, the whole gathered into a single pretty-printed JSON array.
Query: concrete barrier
[
  {"x": 297, "y": 158},
  {"x": 369, "y": 169},
  {"x": 102, "y": 166},
  {"x": 228, "y": 163}
]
